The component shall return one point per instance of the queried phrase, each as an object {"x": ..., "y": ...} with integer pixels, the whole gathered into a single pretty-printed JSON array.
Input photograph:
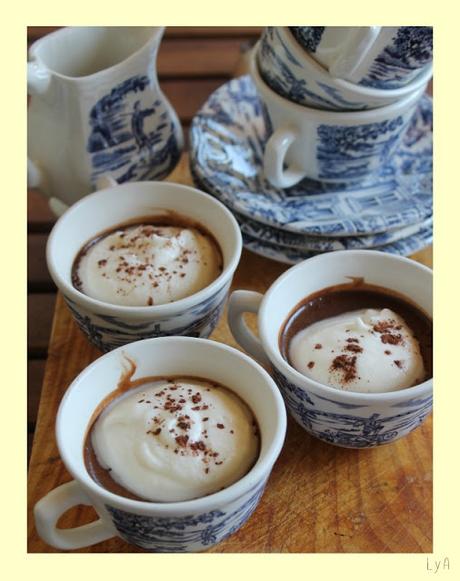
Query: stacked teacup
[{"x": 339, "y": 99}]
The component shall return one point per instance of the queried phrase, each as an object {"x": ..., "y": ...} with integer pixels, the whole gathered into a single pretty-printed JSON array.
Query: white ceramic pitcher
[{"x": 96, "y": 109}]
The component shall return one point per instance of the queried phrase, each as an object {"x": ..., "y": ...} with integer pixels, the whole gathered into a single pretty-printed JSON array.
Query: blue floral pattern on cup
[
  {"x": 132, "y": 138},
  {"x": 308, "y": 36},
  {"x": 400, "y": 61},
  {"x": 186, "y": 533},
  {"x": 108, "y": 332},
  {"x": 351, "y": 425},
  {"x": 285, "y": 75},
  {"x": 227, "y": 141},
  {"x": 349, "y": 152}
]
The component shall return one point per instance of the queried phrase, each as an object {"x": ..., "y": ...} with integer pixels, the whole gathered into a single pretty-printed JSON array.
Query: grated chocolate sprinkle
[
  {"x": 346, "y": 365},
  {"x": 354, "y": 348},
  {"x": 181, "y": 441},
  {"x": 388, "y": 338}
]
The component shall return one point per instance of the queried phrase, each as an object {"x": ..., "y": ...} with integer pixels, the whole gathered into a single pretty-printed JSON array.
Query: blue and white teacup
[
  {"x": 292, "y": 73},
  {"x": 344, "y": 418},
  {"x": 191, "y": 525},
  {"x": 109, "y": 326},
  {"x": 329, "y": 146},
  {"x": 97, "y": 108},
  {"x": 383, "y": 57}
]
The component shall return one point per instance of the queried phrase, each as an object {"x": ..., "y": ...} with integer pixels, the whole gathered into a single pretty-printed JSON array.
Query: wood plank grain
[
  {"x": 319, "y": 498},
  {"x": 38, "y": 277},
  {"x": 212, "y": 31},
  {"x": 200, "y": 57},
  {"x": 187, "y": 97},
  {"x": 35, "y": 375},
  {"x": 40, "y": 218},
  {"x": 36, "y": 32},
  {"x": 40, "y": 311}
]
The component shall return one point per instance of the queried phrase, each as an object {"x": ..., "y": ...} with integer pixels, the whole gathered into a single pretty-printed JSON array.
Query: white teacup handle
[
  {"x": 241, "y": 302},
  {"x": 48, "y": 510},
  {"x": 274, "y": 158}
]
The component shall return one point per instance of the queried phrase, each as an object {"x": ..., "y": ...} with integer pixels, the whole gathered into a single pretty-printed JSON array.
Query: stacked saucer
[{"x": 389, "y": 210}]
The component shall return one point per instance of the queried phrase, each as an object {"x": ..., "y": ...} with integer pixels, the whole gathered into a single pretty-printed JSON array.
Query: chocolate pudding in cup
[
  {"x": 216, "y": 503},
  {"x": 133, "y": 261},
  {"x": 348, "y": 336}
]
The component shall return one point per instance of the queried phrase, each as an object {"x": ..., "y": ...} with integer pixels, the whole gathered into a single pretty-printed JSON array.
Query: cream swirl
[
  {"x": 367, "y": 350},
  {"x": 147, "y": 265},
  {"x": 176, "y": 440}
]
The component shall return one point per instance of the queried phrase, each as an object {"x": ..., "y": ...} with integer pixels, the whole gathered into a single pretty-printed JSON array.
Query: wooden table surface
[{"x": 319, "y": 498}]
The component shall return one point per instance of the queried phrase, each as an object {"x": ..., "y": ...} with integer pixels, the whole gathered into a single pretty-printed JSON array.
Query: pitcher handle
[{"x": 48, "y": 510}]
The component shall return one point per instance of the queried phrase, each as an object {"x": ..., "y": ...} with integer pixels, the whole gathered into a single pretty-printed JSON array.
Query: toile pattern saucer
[
  {"x": 227, "y": 140},
  {"x": 304, "y": 242},
  {"x": 403, "y": 247}
]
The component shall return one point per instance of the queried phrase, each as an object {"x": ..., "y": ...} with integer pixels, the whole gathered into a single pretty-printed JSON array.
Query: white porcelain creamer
[{"x": 96, "y": 109}]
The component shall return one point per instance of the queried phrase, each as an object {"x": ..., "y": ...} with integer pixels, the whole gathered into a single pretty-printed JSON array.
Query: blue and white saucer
[
  {"x": 404, "y": 247},
  {"x": 227, "y": 138},
  {"x": 304, "y": 242}
]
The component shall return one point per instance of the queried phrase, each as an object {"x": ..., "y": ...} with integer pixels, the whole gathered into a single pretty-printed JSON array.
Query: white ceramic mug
[
  {"x": 329, "y": 146},
  {"x": 96, "y": 108},
  {"x": 107, "y": 325},
  {"x": 192, "y": 525},
  {"x": 343, "y": 418}
]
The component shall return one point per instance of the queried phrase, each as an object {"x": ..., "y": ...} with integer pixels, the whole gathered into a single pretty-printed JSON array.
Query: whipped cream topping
[
  {"x": 367, "y": 350},
  {"x": 176, "y": 440},
  {"x": 147, "y": 265}
]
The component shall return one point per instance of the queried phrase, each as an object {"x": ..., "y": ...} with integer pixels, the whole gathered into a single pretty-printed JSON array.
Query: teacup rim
[
  {"x": 332, "y": 116},
  {"x": 34, "y": 57},
  {"x": 298, "y": 378},
  {"x": 256, "y": 475},
  {"x": 154, "y": 310},
  {"x": 360, "y": 90}
]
